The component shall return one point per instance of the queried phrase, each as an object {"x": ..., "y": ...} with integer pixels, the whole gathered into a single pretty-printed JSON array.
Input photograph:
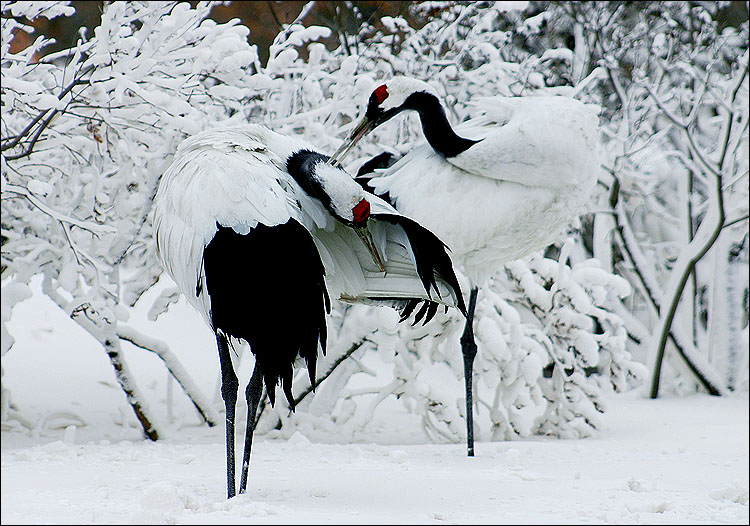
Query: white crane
[
  {"x": 257, "y": 231},
  {"x": 497, "y": 188}
]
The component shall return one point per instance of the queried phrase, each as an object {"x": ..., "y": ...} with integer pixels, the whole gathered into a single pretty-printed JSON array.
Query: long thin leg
[
  {"x": 469, "y": 349},
  {"x": 252, "y": 395},
  {"x": 229, "y": 386}
]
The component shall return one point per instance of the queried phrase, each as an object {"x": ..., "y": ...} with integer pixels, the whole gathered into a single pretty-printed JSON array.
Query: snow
[{"x": 83, "y": 461}]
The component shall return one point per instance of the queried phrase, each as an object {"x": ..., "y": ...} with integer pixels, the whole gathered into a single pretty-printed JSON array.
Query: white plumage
[
  {"x": 494, "y": 189},
  {"x": 508, "y": 195},
  {"x": 257, "y": 231}
]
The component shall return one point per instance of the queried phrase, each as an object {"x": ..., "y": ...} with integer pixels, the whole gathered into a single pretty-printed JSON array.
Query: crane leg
[
  {"x": 229, "y": 386},
  {"x": 252, "y": 395},
  {"x": 469, "y": 349}
]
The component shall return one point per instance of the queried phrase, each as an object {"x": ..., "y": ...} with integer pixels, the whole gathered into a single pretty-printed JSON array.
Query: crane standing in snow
[
  {"x": 492, "y": 199},
  {"x": 256, "y": 230}
]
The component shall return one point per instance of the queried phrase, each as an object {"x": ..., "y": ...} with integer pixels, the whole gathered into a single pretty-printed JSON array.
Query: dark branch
[
  {"x": 273, "y": 13},
  {"x": 12, "y": 142},
  {"x": 330, "y": 370}
]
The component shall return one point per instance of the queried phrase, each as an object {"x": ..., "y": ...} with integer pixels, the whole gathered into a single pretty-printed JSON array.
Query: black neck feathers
[
  {"x": 301, "y": 166},
  {"x": 437, "y": 130}
]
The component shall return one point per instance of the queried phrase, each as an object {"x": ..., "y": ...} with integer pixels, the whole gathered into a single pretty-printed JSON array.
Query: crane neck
[{"x": 437, "y": 130}]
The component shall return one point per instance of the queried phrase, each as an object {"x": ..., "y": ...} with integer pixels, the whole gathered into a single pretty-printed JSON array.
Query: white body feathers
[{"x": 509, "y": 194}]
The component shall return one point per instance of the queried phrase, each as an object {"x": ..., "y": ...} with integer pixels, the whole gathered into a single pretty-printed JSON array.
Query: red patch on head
[
  {"x": 381, "y": 92},
  {"x": 361, "y": 211}
]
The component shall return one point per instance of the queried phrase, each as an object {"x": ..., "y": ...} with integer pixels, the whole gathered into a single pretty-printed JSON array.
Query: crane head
[
  {"x": 386, "y": 101},
  {"x": 348, "y": 204},
  {"x": 337, "y": 191}
]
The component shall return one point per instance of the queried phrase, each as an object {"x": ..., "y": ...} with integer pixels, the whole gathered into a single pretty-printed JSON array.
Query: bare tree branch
[
  {"x": 90, "y": 320},
  {"x": 330, "y": 370},
  {"x": 9, "y": 142}
]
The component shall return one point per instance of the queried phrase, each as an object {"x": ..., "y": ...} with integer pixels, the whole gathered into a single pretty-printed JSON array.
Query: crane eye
[
  {"x": 381, "y": 92},
  {"x": 361, "y": 211}
]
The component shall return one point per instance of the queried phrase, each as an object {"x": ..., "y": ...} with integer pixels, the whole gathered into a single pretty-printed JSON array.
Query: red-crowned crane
[
  {"x": 511, "y": 189},
  {"x": 257, "y": 231}
]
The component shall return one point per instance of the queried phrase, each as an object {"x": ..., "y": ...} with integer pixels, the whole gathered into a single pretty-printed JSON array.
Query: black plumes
[
  {"x": 365, "y": 174},
  {"x": 380, "y": 161},
  {"x": 267, "y": 287},
  {"x": 430, "y": 253},
  {"x": 432, "y": 258},
  {"x": 427, "y": 310}
]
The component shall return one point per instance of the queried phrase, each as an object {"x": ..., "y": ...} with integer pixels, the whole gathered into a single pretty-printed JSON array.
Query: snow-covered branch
[
  {"x": 162, "y": 350},
  {"x": 56, "y": 214}
]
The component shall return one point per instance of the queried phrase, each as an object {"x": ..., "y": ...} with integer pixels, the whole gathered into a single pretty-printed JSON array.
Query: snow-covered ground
[{"x": 668, "y": 461}]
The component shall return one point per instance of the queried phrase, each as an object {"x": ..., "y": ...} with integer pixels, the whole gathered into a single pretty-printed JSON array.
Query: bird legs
[
  {"x": 229, "y": 386},
  {"x": 469, "y": 349},
  {"x": 252, "y": 395}
]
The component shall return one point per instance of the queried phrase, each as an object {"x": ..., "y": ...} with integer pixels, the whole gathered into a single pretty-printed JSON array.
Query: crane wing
[
  {"x": 417, "y": 264},
  {"x": 534, "y": 141},
  {"x": 226, "y": 177}
]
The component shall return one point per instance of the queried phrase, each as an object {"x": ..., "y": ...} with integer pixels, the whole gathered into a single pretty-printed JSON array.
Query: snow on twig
[{"x": 59, "y": 216}]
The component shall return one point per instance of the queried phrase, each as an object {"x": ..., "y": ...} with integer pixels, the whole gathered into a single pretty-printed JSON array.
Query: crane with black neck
[{"x": 495, "y": 189}]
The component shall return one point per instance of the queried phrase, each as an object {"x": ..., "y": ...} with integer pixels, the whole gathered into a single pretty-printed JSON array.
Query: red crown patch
[
  {"x": 361, "y": 211},
  {"x": 381, "y": 92}
]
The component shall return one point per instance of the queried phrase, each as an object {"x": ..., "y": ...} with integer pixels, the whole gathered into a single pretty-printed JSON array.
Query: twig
[
  {"x": 39, "y": 131},
  {"x": 59, "y": 216},
  {"x": 273, "y": 14},
  {"x": 330, "y": 370},
  {"x": 15, "y": 140},
  {"x": 729, "y": 223},
  {"x": 98, "y": 265},
  {"x": 281, "y": 37},
  {"x": 684, "y": 127}
]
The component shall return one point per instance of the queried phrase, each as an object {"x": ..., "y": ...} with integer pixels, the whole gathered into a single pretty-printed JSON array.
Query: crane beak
[
  {"x": 366, "y": 237},
  {"x": 360, "y": 131}
]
